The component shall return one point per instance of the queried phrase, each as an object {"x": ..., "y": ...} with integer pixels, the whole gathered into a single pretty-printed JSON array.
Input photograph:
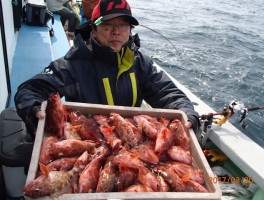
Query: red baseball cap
[{"x": 110, "y": 9}]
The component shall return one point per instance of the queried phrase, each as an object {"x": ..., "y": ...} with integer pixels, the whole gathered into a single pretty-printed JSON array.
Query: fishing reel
[
  {"x": 239, "y": 108},
  {"x": 234, "y": 107},
  {"x": 206, "y": 120}
]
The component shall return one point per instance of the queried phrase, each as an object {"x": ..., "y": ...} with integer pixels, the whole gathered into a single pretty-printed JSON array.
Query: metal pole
[{"x": 2, "y": 26}]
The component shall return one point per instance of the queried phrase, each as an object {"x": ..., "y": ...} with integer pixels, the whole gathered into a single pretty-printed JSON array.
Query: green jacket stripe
[
  {"x": 108, "y": 91},
  {"x": 134, "y": 87}
]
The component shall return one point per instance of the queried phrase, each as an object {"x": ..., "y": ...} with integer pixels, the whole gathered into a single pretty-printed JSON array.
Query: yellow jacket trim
[
  {"x": 108, "y": 91},
  {"x": 125, "y": 60},
  {"x": 134, "y": 87}
]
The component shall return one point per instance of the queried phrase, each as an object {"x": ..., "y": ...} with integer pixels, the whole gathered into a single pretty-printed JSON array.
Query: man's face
[{"x": 113, "y": 33}]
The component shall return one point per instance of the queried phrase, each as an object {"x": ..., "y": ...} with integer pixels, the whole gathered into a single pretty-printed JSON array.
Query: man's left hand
[{"x": 188, "y": 125}]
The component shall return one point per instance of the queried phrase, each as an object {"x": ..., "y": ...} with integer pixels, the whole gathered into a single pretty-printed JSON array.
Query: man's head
[{"x": 112, "y": 22}]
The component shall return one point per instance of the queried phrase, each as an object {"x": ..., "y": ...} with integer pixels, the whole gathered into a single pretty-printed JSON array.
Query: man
[
  {"x": 75, "y": 6},
  {"x": 108, "y": 69},
  {"x": 57, "y": 7},
  {"x": 87, "y": 8}
]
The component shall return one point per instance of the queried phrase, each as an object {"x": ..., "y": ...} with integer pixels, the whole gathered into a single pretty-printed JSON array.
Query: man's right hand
[
  {"x": 31, "y": 122},
  {"x": 41, "y": 114}
]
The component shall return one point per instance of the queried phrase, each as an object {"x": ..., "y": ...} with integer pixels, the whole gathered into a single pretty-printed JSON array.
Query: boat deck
[{"x": 34, "y": 51}]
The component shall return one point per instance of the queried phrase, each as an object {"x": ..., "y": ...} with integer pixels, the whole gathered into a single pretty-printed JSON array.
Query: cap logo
[
  {"x": 110, "y": 6},
  {"x": 121, "y": 5}
]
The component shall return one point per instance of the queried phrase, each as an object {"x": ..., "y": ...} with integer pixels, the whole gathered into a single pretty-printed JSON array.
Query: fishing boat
[{"x": 27, "y": 49}]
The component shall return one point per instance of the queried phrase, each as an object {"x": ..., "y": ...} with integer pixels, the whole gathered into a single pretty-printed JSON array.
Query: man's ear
[{"x": 94, "y": 29}]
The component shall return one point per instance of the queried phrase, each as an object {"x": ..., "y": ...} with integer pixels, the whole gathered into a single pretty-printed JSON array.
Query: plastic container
[{"x": 199, "y": 159}]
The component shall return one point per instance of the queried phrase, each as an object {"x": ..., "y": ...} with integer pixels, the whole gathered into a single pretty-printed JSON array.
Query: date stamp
[{"x": 245, "y": 180}]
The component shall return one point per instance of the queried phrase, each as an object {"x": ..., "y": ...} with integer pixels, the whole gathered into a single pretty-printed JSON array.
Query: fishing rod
[
  {"x": 255, "y": 108},
  {"x": 235, "y": 106},
  {"x": 164, "y": 37}
]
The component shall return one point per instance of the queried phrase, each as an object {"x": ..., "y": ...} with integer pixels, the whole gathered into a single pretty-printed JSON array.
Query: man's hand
[
  {"x": 32, "y": 122},
  {"x": 188, "y": 125},
  {"x": 40, "y": 114}
]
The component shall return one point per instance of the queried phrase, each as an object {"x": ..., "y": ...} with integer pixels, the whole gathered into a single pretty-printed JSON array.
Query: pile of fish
[{"x": 96, "y": 153}]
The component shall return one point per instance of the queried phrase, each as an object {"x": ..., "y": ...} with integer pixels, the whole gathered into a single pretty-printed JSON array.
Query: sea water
[{"x": 214, "y": 48}]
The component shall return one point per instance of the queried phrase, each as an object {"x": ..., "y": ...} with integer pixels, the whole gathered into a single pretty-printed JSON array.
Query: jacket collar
[
  {"x": 80, "y": 50},
  {"x": 87, "y": 50},
  {"x": 103, "y": 53}
]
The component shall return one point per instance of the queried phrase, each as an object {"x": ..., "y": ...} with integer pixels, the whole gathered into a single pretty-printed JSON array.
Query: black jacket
[{"x": 91, "y": 73}]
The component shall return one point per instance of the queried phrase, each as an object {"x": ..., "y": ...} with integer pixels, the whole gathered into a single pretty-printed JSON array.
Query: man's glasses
[{"x": 111, "y": 27}]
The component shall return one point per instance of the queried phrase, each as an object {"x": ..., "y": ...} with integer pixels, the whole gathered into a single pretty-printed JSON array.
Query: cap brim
[{"x": 131, "y": 19}]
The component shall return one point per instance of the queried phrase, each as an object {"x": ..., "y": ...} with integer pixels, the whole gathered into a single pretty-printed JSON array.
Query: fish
[
  {"x": 71, "y": 147},
  {"x": 51, "y": 183},
  {"x": 108, "y": 131},
  {"x": 146, "y": 152},
  {"x": 148, "y": 179},
  {"x": 183, "y": 169},
  {"x": 78, "y": 167},
  {"x": 171, "y": 177},
  {"x": 164, "y": 186},
  {"x": 101, "y": 120},
  {"x": 125, "y": 177},
  {"x": 56, "y": 115},
  {"x": 149, "y": 118},
  {"x": 136, "y": 154},
  {"x": 164, "y": 121},
  {"x": 110, "y": 137},
  {"x": 165, "y": 139},
  {"x": 89, "y": 129},
  {"x": 62, "y": 164},
  {"x": 54, "y": 183},
  {"x": 128, "y": 159},
  {"x": 71, "y": 132},
  {"x": 107, "y": 177},
  {"x": 89, "y": 176},
  {"x": 138, "y": 188},
  {"x": 181, "y": 137},
  {"x": 126, "y": 131},
  {"x": 45, "y": 157},
  {"x": 81, "y": 162},
  {"x": 193, "y": 186},
  {"x": 179, "y": 154},
  {"x": 146, "y": 127}
]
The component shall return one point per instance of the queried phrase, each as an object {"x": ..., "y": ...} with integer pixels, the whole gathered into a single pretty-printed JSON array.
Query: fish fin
[
  {"x": 110, "y": 129},
  {"x": 77, "y": 127},
  {"x": 186, "y": 177},
  {"x": 44, "y": 169}
]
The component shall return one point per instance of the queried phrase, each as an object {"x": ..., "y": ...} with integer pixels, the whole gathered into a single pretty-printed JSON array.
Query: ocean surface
[{"x": 213, "y": 47}]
